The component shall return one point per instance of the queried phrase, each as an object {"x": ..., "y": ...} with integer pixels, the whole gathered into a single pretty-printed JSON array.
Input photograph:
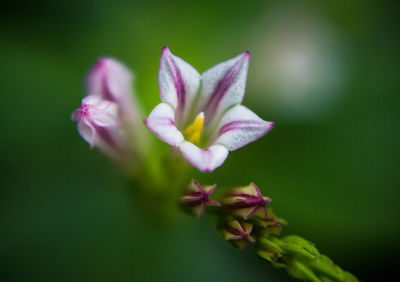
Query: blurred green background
[{"x": 325, "y": 71}]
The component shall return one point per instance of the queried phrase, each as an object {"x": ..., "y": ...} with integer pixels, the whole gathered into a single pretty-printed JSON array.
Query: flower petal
[
  {"x": 161, "y": 122},
  {"x": 104, "y": 119},
  {"x": 110, "y": 80},
  {"x": 105, "y": 114},
  {"x": 178, "y": 82},
  {"x": 240, "y": 126},
  {"x": 87, "y": 132},
  {"x": 223, "y": 86},
  {"x": 93, "y": 100},
  {"x": 204, "y": 159},
  {"x": 76, "y": 116}
]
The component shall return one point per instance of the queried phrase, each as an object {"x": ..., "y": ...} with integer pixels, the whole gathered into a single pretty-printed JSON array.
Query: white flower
[{"x": 201, "y": 114}]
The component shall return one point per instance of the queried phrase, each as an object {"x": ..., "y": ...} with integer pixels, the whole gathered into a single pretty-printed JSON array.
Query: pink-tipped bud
[{"x": 98, "y": 124}]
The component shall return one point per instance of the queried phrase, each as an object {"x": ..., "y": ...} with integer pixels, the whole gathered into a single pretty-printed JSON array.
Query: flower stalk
[{"x": 201, "y": 118}]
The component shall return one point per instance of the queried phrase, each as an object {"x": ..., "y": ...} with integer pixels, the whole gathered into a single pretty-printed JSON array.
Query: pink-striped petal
[
  {"x": 240, "y": 126},
  {"x": 110, "y": 80},
  {"x": 178, "y": 82},
  {"x": 161, "y": 122},
  {"x": 204, "y": 159},
  {"x": 223, "y": 86}
]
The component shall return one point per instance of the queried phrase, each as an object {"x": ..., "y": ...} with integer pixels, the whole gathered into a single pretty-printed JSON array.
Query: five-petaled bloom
[
  {"x": 238, "y": 233},
  {"x": 201, "y": 114},
  {"x": 198, "y": 197},
  {"x": 247, "y": 201}
]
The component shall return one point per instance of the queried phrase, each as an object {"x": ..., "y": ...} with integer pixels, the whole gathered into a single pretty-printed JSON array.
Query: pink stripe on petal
[
  {"x": 109, "y": 136},
  {"x": 178, "y": 82},
  {"x": 240, "y": 126},
  {"x": 224, "y": 86},
  {"x": 110, "y": 80},
  {"x": 161, "y": 122}
]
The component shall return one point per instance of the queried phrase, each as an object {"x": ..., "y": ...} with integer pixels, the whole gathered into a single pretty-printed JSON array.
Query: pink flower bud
[{"x": 98, "y": 124}]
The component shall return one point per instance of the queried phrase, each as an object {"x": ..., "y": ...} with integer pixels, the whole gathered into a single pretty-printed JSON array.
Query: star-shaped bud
[
  {"x": 238, "y": 233},
  {"x": 247, "y": 201},
  {"x": 198, "y": 197}
]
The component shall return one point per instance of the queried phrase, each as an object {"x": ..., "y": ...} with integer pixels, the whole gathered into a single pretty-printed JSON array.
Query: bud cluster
[
  {"x": 243, "y": 211},
  {"x": 301, "y": 258},
  {"x": 244, "y": 217}
]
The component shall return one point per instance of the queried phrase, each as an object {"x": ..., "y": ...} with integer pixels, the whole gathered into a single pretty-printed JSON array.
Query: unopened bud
[
  {"x": 238, "y": 233},
  {"x": 98, "y": 124},
  {"x": 299, "y": 247},
  {"x": 247, "y": 201},
  {"x": 301, "y": 271},
  {"x": 269, "y": 249},
  {"x": 198, "y": 197}
]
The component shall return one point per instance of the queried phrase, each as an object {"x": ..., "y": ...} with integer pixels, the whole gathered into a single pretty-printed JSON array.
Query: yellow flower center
[{"x": 194, "y": 130}]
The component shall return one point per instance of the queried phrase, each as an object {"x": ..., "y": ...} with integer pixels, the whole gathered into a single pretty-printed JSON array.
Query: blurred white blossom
[{"x": 301, "y": 69}]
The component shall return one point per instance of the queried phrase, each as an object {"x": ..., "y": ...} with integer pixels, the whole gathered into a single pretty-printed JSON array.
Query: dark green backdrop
[{"x": 331, "y": 165}]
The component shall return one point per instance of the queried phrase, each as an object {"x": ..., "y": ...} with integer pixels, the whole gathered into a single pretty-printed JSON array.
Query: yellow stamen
[{"x": 194, "y": 130}]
